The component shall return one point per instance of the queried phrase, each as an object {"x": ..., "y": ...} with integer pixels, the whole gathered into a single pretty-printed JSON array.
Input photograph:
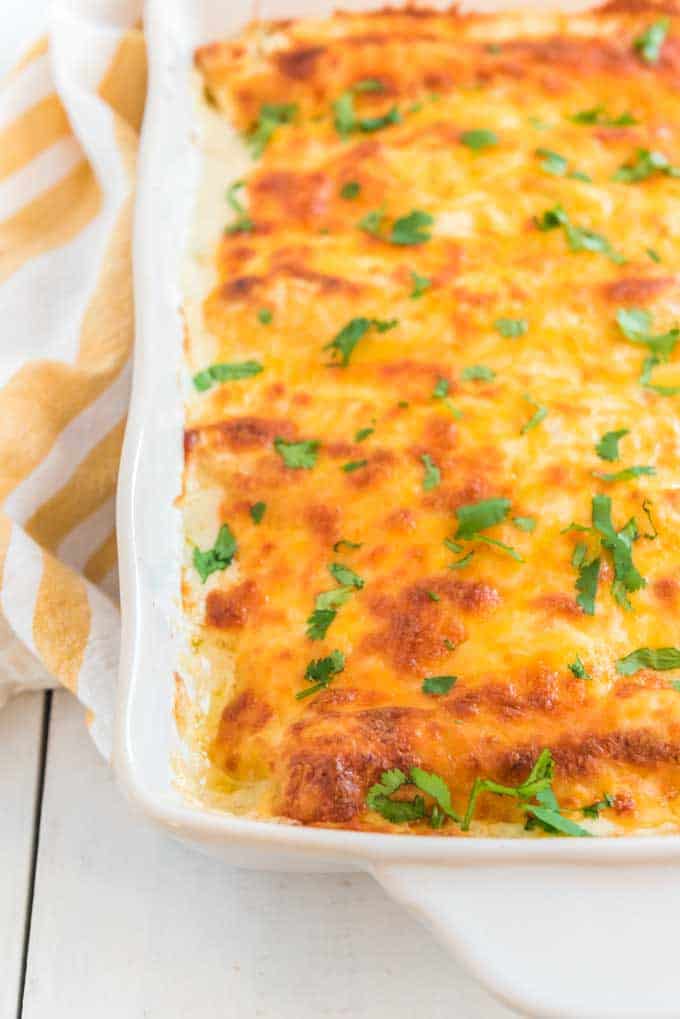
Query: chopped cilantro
[
  {"x": 578, "y": 238},
  {"x": 420, "y": 284},
  {"x": 459, "y": 564},
  {"x": 257, "y": 511},
  {"x": 271, "y": 116},
  {"x": 225, "y": 373},
  {"x": 608, "y": 446},
  {"x": 438, "y": 685},
  {"x": 627, "y": 474},
  {"x": 553, "y": 162},
  {"x": 477, "y": 373},
  {"x": 320, "y": 672},
  {"x": 511, "y": 328},
  {"x": 655, "y": 257},
  {"x": 218, "y": 557},
  {"x": 344, "y": 342},
  {"x": 649, "y": 44},
  {"x": 658, "y": 658},
  {"x": 351, "y": 189},
  {"x": 378, "y": 797},
  {"x": 346, "y": 544},
  {"x": 318, "y": 623},
  {"x": 586, "y": 583},
  {"x": 627, "y": 579},
  {"x": 598, "y": 116},
  {"x": 345, "y": 116},
  {"x": 593, "y": 809},
  {"x": 479, "y": 516},
  {"x": 265, "y": 316},
  {"x": 345, "y": 576},
  {"x": 432, "y": 476},
  {"x": 433, "y": 596},
  {"x": 478, "y": 139},
  {"x": 412, "y": 229},
  {"x": 297, "y": 455},
  {"x": 579, "y": 669},
  {"x": 645, "y": 164},
  {"x": 648, "y": 365},
  {"x": 243, "y": 223},
  {"x": 441, "y": 389},
  {"x": 538, "y": 786},
  {"x": 353, "y": 465},
  {"x": 539, "y": 414},
  {"x": 407, "y": 230},
  {"x": 527, "y": 524},
  {"x": 363, "y": 433},
  {"x": 635, "y": 324}
]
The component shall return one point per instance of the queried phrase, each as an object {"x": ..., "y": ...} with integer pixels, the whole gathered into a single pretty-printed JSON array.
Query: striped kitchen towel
[{"x": 70, "y": 115}]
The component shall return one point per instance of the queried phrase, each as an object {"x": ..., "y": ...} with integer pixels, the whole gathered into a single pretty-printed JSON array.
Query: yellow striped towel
[{"x": 70, "y": 114}]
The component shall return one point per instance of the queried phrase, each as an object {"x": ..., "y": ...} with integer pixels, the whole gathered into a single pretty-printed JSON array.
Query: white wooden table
[{"x": 103, "y": 916}]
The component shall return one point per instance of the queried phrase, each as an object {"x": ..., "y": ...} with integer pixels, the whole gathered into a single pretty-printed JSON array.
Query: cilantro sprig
[
  {"x": 219, "y": 557},
  {"x": 410, "y": 229},
  {"x": 401, "y": 811},
  {"x": 578, "y": 238},
  {"x": 473, "y": 518},
  {"x": 660, "y": 659},
  {"x": 320, "y": 672},
  {"x": 644, "y": 164},
  {"x": 343, "y": 343},
  {"x": 618, "y": 545}
]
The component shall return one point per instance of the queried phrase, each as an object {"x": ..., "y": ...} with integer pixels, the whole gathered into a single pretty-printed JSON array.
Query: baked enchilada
[{"x": 431, "y": 503}]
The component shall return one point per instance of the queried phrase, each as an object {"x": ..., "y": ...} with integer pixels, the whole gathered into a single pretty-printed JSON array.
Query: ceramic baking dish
[{"x": 553, "y": 927}]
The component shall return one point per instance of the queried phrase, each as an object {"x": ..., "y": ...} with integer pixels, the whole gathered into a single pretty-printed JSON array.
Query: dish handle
[{"x": 571, "y": 939}]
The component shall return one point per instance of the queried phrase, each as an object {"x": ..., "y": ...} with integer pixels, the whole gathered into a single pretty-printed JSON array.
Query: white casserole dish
[{"x": 554, "y": 927}]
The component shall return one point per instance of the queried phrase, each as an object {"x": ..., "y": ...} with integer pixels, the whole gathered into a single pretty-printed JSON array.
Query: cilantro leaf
[
  {"x": 264, "y": 316},
  {"x": 593, "y": 809},
  {"x": 619, "y": 545},
  {"x": 658, "y": 658},
  {"x": 598, "y": 115},
  {"x": 346, "y": 544},
  {"x": 432, "y": 476},
  {"x": 586, "y": 584},
  {"x": 420, "y": 284},
  {"x": 257, "y": 511},
  {"x": 333, "y": 599},
  {"x": 578, "y": 669},
  {"x": 527, "y": 524},
  {"x": 217, "y": 373},
  {"x": 353, "y": 465},
  {"x": 243, "y": 223},
  {"x": 500, "y": 544},
  {"x": 553, "y": 162},
  {"x": 363, "y": 433},
  {"x": 411, "y": 229},
  {"x": 478, "y": 516},
  {"x": 271, "y": 116},
  {"x": 648, "y": 365},
  {"x": 297, "y": 455},
  {"x": 635, "y": 324},
  {"x": 643, "y": 165},
  {"x": 462, "y": 562},
  {"x": 553, "y": 821},
  {"x": 536, "y": 418},
  {"x": 350, "y": 190},
  {"x": 390, "y": 781},
  {"x": 320, "y": 672},
  {"x": 345, "y": 576},
  {"x": 441, "y": 389},
  {"x": 627, "y": 474},
  {"x": 478, "y": 373},
  {"x": 608, "y": 446},
  {"x": 478, "y": 139},
  {"x": 399, "y": 811},
  {"x": 218, "y": 557},
  {"x": 649, "y": 44},
  {"x": 318, "y": 623},
  {"x": 438, "y": 685},
  {"x": 344, "y": 342},
  {"x": 578, "y": 238},
  {"x": 435, "y": 786},
  {"x": 346, "y": 119},
  {"x": 655, "y": 257},
  {"x": 511, "y": 328}
]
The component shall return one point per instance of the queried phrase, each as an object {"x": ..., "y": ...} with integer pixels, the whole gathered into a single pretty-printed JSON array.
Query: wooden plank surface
[
  {"x": 128, "y": 924},
  {"x": 20, "y": 744}
]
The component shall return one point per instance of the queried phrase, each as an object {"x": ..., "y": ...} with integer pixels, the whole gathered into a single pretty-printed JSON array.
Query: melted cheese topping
[{"x": 507, "y": 630}]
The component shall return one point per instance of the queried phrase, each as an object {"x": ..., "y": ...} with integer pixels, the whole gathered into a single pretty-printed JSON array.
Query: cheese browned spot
[{"x": 354, "y": 560}]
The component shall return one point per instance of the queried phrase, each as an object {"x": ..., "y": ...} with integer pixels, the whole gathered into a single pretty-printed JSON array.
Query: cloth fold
[{"x": 70, "y": 115}]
